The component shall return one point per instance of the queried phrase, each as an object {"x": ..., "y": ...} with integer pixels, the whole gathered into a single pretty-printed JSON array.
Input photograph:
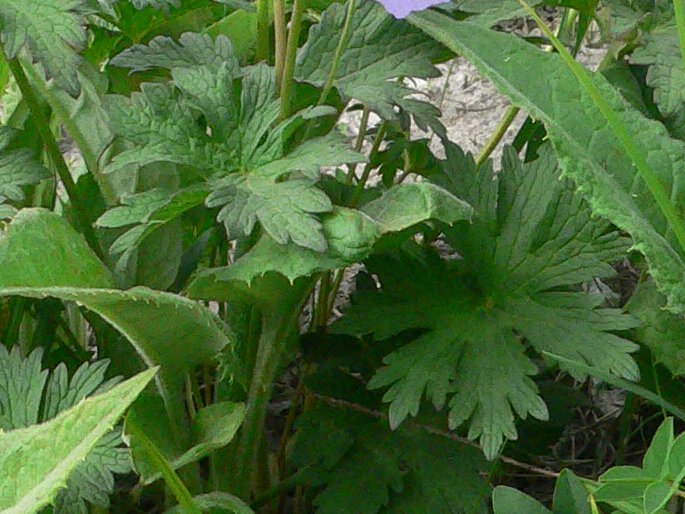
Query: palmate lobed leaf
[
  {"x": 531, "y": 243},
  {"x": 36, "y": 461},
  {"x": 52, "y": 31},
  {"x": 241, "y": 152},
  {"x": 589, "y": 152},
  {"x": 20, "y": 164}
]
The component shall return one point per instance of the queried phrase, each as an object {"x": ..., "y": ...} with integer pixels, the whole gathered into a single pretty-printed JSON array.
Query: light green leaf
[
  {"x": 589, "y": 151},
  {"x": 660, "y": 330},
  {"x": 507, "y": 500},
  {"x": 217, "y": 503},
  {"x": 570, "y": 497},
  {"x": 158, "y": 325},
  {"x": 52, "y": 450},
  {"x": 20, "y": 164},
  {"x": 408, "y": 204},
  {"x": 51, "y": 30}
]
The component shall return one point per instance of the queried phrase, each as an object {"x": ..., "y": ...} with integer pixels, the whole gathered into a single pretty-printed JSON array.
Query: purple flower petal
[{"x": 402, "y": 8}]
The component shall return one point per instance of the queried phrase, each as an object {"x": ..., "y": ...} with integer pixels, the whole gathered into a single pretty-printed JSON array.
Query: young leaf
[
  {"x": 380, "y": 51},
  {"x": 35, "y": 462},
  {"x": 24, "y": 387},
  {"x": 531, "y": 242},
  {"x": 51, "y": 30},
  {"x": 350, "y": 234},
  {"x": 590, "y": 153}
]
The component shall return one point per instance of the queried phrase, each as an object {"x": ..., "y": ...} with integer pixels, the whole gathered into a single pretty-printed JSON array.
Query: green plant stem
[
  {"x": 263, "y": 22},
  {"x": 158, "y": 460},
  {"x": 283, "y": 486},
  {"x": 75, "y": 132},
  {"x": 269, "y": 356},
  {"x": 619, "y": 129},
  {"x": 43, "y": 127},
  {"x": 679, "y": 7},
  {"x": 369, "y": 166},
  {"x": 280, "y": 30},
  {"x": 342, "y": 44},
  {"x": 497, "y": 136},
  {"x": 359, "y": 144},
  {"x": 288, "y": 83}
]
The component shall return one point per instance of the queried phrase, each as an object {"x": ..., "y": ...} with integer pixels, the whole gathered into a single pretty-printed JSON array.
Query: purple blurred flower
[{"x": 402, "y": 8}]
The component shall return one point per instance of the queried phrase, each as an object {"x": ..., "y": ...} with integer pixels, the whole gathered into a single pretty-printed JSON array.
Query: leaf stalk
[
  {"x": 288, "y": 82},
  {"x": 43, "y": 127}
]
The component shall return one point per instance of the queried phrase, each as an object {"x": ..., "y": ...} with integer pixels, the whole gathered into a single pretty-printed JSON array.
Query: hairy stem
[
  {"x": 43, "y": 127},
  {"x": 342, "y": 44},
  {"x": 288, "y": 82},
  {"x": 656, "y": 188},
  {"x": 280, "y": 36},
  {"x": 75, "y": 132},
  {"x": 679, "y": 7}
]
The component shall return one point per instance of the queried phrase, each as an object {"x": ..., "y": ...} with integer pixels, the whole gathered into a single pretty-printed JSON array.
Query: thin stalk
[
  {"x": 280, "y": 30},
  {"x": 263, "y": 22},
  {"x": 359, "y": 144},
  {"x": 75, "y": 132},
  {"x": 679, "y": 7},
  {"x": 285, "y": 485},
  {"x": 158, "y": 461},
  {"x": 497, "y": 136},
  {"x": 619, "y": 129},
  {"x": 342, "y": 44},
  {"x": 43, "y": 127},
  {"x": 369, "y": 167},
  {"x": 17, "y": 306},
  {"x": 288, "y": 82}
]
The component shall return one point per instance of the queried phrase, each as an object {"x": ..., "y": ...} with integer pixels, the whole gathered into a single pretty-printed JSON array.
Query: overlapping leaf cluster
[
  {"x": 513, "y": 287},
  {"x": 30, "y": 395},
  {"x": 223, "y": 122}
]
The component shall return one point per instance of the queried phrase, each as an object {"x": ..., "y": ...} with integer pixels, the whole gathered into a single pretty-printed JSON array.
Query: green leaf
[
  {"x": 240, "y": 27},
  {"x": 350, "y": 235},
  {"x": 660, "y": 51},
  {"x": 157, "y": 324},
  {"x": 51, "y": 30},
  {"x": 655, "y": 461},
  {"x": 657, "y": 496},
  {"x": 531, "y": 242},
  {"x": 570, "y": 497},
  {"x": 53, "y": 449},
  {"x": 507, "y": 500},
  {"x": 400, "y": 472},
  {"x": 212, "y": 428},
  {"x": 217, "y": 503},
  {"x": 589, "y": 151},
  {"x": 242, "y": 150},
  {"x": 172, "y": 480},
  {"x": 191, "y": 51},
  {"x": 380, "y": 51},
  {"x": 408, "y": 204},
  {"x": 24, "y": 387},
  {"x": 20, "y": 164},
  {"x": 660, "y": 330}
]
